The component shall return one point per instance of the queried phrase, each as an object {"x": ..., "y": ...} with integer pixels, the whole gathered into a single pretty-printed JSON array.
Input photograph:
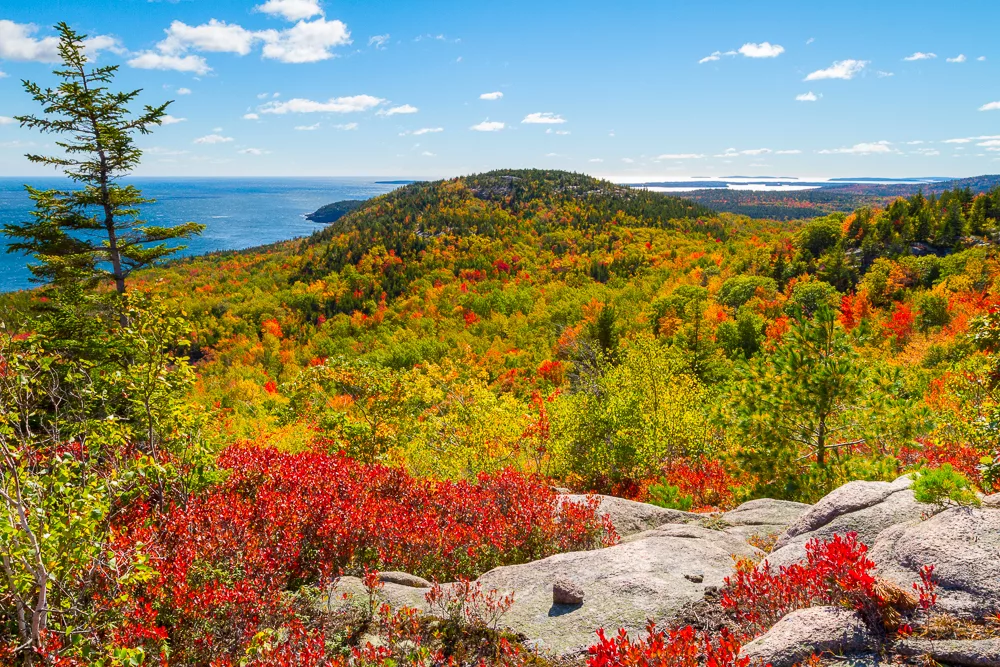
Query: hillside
[
  {"x": 827, "y": 197},
  {"x": 400, "y": 391}
]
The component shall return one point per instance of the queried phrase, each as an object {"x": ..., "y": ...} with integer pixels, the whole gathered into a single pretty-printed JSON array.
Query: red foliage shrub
[
  {"x": 835, "y": 572},
  {"x": 279, "y": 521},
  {"x": 934, "y": 454},
  {"x": 706, "y": 481},
  {"x": 675, "y": 648}
]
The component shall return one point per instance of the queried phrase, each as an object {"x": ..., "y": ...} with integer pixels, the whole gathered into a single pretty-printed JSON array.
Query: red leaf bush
[
  {"x": 680, "y": 647},
  {"x": 835, "y": 572},
  {"x": 230, "y": 558}
]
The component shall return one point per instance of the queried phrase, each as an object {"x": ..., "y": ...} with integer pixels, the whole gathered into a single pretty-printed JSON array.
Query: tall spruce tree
[{"x": 93, "y": 233}]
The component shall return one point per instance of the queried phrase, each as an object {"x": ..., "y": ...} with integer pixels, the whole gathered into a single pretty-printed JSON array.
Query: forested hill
[
  {"x": 486, "y": 203},
  {"x": 832, "y": 197},
  {"x": 487, "y": 216}
]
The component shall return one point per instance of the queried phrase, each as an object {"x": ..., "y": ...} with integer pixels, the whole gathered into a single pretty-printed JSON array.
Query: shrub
[
  {"x": 680, "y": 647},
  {"x": 835, "y": 572},
  {"x": 664, "y": 495},
  {"x": 943, "y": 486},
  {"x": 280, "y": 522}
]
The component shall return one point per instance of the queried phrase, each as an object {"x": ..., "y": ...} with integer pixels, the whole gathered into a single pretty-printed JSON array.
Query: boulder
[
  {"x": 963, "y": 545},
  {"x": 968, "y": 652},
  {"x": 351, "y": 591},
  {"x": 565, "y": 591},
  {"x": 801, "y": 633},
  {"x": 992, "y": 502},
  {"x": 865, "y": 508},
  {"x": 404, "y": 579},
  {"x": 625, "y": 585},
  {"x": 630, "y": 517},
  {"x": 762, "y": 517},
  {"x": 765, "y": 512}
]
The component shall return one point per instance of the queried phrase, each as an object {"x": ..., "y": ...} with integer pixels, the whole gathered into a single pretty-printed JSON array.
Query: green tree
[
  {"x": 790, "y": 409},
  {"x": 75, "y": 234}
]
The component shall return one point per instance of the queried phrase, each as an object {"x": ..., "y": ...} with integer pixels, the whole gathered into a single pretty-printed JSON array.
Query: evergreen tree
[
  {"x": 76, "y": 234},
  {"x": 793, "y": 407}
]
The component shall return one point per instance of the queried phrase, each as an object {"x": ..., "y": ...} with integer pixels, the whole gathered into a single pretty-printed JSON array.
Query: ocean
[{"x": 237, "y": 212}]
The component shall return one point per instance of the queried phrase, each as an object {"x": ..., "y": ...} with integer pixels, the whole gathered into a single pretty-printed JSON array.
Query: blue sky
[{"x": 629, "y": 90}]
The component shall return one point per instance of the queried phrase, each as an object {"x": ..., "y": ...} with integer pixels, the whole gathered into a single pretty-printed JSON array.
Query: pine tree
[{"x": 75, "y": 235}]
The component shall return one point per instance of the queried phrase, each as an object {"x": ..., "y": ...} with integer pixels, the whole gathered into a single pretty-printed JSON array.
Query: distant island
[
  {"x": 397, "y": 182},
  {"x": 335, "y": 211}
]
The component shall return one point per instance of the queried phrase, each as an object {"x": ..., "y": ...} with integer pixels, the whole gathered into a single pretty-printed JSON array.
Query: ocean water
[{"x": 237, "y": 212}]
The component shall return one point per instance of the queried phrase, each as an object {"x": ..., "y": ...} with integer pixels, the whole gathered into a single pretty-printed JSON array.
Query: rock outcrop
[
  {"x": 963, "y": 545},
  {"x": 625, "y": 584},
  {"x": 817, "y": 630},
  {"x": 970, "y": 653},
  {"x": 763, "y": 517},
  {"x": 865, "y": 508},
  {"x": 630, "y": 517}
]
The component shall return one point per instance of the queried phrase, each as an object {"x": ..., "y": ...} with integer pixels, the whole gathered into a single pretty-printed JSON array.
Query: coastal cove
[{"x": 237, "y": 212}]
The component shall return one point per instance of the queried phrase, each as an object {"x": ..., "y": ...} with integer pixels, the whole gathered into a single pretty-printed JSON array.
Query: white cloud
[
  {"x": 305, "y": 42},
  {"x": 762, "y": 50},
  {"x": 916, "y": 142},
  {"x": 491, "y": 96},
  {"x": 152, "y": 60},
  {"x": 991, "y": 144},
  {"x": 628, "y": 160},
  {"x": 251, "y": 116},
  {"x": 991, "y": 106},
  {"x": 215, "y": 37},
  {"x": 17, "y": 42},
  {"x": 404, "y": 109},
  {"x": 346, "y": 126},
  {"x": 543, "y": 118},
  {"x": 488, "y": 126},
  {"x": 183, "y": 91},
  {"x": 807, "y": 97},
  {"x": 292, "y": 10},
  {"x": 172, "y": 120},
  {"x": 253, "y": 151},
  {"x": 428, "y": 130},
  {"x": 595, "y": 160},
  {"x": 213, "y": 139},
  {"x": 307, "y": 128},
  {"x": 920, "y": 55},
  {"x": 378, "y": 41},
  {"x": 793, "y": 151},
  {"x": 981, "y": 58},
  {"x": 883, "y": 74},
  {"x": 562, "y": 132},
  {"x": 861, "y": 149},
  {"x": 810, "y": 40},
  {"x": 756, "y": 151},
  {"x": 841, "y": 69},
  {"x": 749, "y": 50},
  {"x": 3, "y": 75},
  {"x": 680, "y": 156},
  {"x": 963, "y": 140},
  {"x": 7, "y": 120},
  {"x": 350, "y": 104},
  {"x": 960, "y": 58},
  {"x": 926, "y": 152},
  {"x": 428, "y": 154}
]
